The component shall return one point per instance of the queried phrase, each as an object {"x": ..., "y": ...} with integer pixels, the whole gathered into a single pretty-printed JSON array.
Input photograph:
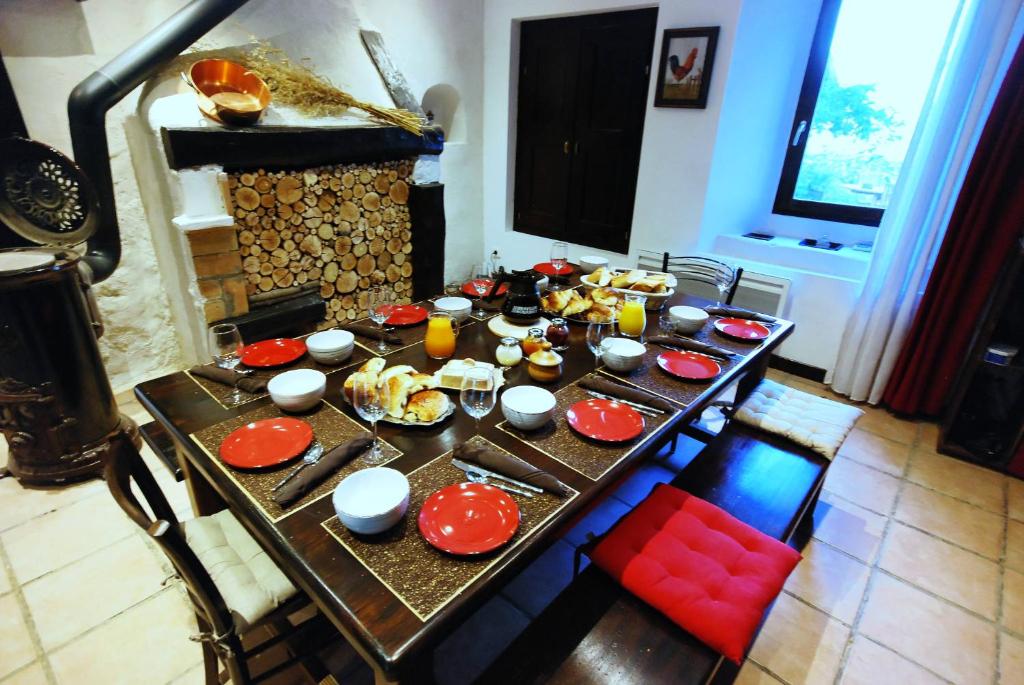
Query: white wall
[
  {"x": 432, "y": 41},
  {"x": 677, "y": 148}
]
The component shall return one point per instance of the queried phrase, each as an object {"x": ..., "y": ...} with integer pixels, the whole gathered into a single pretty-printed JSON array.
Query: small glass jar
[
  {"x": 558, "y": 334},
  {"x": 545, "y": 366},
  {"x": 509, "y": 353},
  {"x": 534, "y": 342}
]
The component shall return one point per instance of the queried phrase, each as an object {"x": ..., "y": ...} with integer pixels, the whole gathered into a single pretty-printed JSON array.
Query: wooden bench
[{"x": 595, "y": 631}]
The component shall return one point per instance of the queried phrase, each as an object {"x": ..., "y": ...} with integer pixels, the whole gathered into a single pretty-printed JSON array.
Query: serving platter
[{"x": 387, "y": 418}]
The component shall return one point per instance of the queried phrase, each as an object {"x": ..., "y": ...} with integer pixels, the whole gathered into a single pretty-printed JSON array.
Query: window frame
[{"x": 785, "y": 203}]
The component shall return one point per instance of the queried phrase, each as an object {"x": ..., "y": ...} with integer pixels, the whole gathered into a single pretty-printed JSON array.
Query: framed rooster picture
[{"x": 687, "y": 56}]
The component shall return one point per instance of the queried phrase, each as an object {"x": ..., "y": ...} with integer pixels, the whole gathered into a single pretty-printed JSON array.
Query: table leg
[{"x": 750, "y": 380}]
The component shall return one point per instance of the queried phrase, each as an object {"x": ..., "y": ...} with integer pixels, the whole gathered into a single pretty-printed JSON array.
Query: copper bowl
[{"x": 228, "y": 92}]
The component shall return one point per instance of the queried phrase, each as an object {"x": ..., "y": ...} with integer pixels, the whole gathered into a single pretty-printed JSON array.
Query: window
[
  {"x": 869, "y": 72},
  {"x": 580, "y": 120}
]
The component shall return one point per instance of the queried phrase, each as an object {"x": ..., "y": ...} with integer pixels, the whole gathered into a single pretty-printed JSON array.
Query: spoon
[{"x": 484, "y": 480}]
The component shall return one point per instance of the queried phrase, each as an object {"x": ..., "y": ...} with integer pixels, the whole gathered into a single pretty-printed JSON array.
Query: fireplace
[{"x": 282, "y": 228}]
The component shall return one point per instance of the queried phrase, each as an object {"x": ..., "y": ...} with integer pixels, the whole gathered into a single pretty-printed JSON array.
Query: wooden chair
[
  {"x": 226, "y": 639},
  {"x": 719, "y": 275}
]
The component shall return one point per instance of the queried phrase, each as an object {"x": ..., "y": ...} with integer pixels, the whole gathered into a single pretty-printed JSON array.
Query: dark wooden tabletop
[{"x": 365, "y": 611}]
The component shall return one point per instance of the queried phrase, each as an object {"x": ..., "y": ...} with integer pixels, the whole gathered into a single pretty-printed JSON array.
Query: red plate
[
  {"x": 468, "y": 289},
  {"x": 605, "y": 420},
  {"x": 266, "y": 443},
  {"x": 742, "y": 329},
  {"x": 468, "y": 518},
  {"x": 273, "y": 352},
  {"x": 406, "y": 315},
  {"x": 689, "y": 366},
  {"x": 548, "y": 269}
]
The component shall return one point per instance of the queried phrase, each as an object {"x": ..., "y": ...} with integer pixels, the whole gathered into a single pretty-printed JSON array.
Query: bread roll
[
  {"x": 398, "y": 389},
  {"x": 426, "y": 406},
  {"x": 620, "y": 281},
  {"x": 395, "y": 371}
]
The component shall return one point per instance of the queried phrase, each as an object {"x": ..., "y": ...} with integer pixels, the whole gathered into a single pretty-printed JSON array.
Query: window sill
[{"x": 786, "y": 252}]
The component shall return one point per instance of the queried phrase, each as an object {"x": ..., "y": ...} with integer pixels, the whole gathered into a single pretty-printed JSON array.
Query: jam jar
[
  {"x": 558, "y": 334},
  {"x": 534, "y": 341},
  {"x": 508, "y": 353}
]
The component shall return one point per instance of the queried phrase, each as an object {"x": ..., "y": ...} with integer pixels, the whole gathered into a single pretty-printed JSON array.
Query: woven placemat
[
  {"x": 330, "y": 427},
  {"x": 589, "y": 457},
  {"x": 651, "y": 378},
  {"x": 423, "y": 578},
  {"x": 225, "y": 395},
  {"x": 410, "y": 335}
]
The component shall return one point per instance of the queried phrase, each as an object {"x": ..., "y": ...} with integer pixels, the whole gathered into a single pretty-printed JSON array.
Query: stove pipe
[{"x": 104, "y": 88}]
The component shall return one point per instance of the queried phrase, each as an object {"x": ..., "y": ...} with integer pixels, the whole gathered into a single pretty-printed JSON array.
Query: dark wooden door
[{"x": 582, "y": 99}]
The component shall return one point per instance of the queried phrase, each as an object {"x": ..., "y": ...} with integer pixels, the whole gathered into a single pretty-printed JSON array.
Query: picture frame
[{"x": 684, "y": 72}]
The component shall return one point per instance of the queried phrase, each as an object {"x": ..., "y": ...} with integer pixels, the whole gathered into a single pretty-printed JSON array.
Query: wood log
[
  {"x": 358, "y": 190},
  {"x": 247, "y": 199},
  {"x": 247, "y": 179},
  {"x": 343, "y": 245},
  {"x": 283, "y": 278},
  {"x": 288, "y": 246},
  {"x": 253, "y": 279},
  {"x": 348, "y": 179},
  {"x": 314, "y": 273},
  {"x": 255, "y": 249},
  {"x": 407, "y": 248},
  {"x": 266, "y": 268},
  {"x": 285, "y": 211},
  {"x": 399, "y": 259},
  {"x": 349, "y": 211},
  {"x": 360, "y": 249},
  {"x": 326, "y": 201},
  {"x": 394, "y": 246},
  {"x": 365, "y": 176},
  {"x": 373, "y": 219},
  {"x": 348, "y": 302},
  {"x": 381, "y": 184},
  {"x": 348, "y": 262},
  {"x": 364, "y": 282},
  {"x": 279, "y": 257},
  {"x": 302, "y": 277},
  {"x": 392, "y": 175},
  {"x": 366, "y": 265},
  {"x": 393, "y": 273},
  {"x": 325, "y": 232},
  {"x": 406, "y": 269},
  {"x": 267, "y": 201},
  {"x": 347, "y": 281},
  {"x": 246, "y": 237},
  {"x": 331, "y": 272},
  {"x": 335, "y": 184},
  {"x": 384, "y": 259},
  {"x": 289, "y": 190},
  {"x": 399, "y": 192},
  {"x": 262, "y": 184},
  {"x": 326, "y": 290},
  {"x": 251, "y": 265},
  {"x": 363, "y": 301},
  {"x": 377, "y": 277},
  {"x": 311, "y": 245},
  {"x": 371, "y": 201},
  {"x": 266, "y": 283}
]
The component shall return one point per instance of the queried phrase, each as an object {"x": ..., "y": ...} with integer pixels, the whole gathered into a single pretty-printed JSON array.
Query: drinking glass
[
  {"x": 559, "y": 258},
  {"x": 226, "y": 345},
  {"x": 667, "y": 324},
  {"x": 477, "y": 393},
  {"x": 371, "y": 403},
  {"x": 379, "y": 304},
  {"x": 597, "y": 333}
]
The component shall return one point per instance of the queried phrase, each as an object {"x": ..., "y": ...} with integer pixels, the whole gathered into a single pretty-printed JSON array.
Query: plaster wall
[
  {"x": 676, "y": 153},
  {"x": 48, "y": 47}
]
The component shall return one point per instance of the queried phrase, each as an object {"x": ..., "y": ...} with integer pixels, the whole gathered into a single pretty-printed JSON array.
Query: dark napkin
[
  {"x": 508, "y": 465},
  {"x": 373, "y": 333},
  {"x": 493, "y": 305},
  {"x": 739, "y": 313},
  {"x": 691, "y": 345},
  {"x": 250, "y": 384},
  {"x": 312, "y": 475},
  {"x": 624, "y": 392}
]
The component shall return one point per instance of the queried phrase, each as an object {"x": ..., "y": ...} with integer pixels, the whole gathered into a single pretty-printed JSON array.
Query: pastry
[
  {"x": 578, "y": 305},
  {"x": 556, "y": 300},
  {"x": 399, "y": 387},
  {"x": 605, "y": 296},
  {"x": 395, "y": 371},
  {"x": 368, "y": 372},
  {"x": 426, "y": 406},
  {"x": 599, "y": 313},
  {"x": 620, "y": 281}
]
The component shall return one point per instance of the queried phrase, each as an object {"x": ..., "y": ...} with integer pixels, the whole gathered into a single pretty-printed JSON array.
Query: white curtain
[{"x": 966, "y": 80}]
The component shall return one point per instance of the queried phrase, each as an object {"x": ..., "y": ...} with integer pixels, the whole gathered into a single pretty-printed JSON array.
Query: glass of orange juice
[
  {"x": 440, "y": 338},
  {"x": 633, "y": 317}
]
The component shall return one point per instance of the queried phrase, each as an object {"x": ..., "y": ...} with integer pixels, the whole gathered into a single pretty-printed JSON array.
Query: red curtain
[{"x": 987, "y": 219}]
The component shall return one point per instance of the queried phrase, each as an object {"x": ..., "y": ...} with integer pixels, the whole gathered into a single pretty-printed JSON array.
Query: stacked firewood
[{"x": 346, "y": 227}]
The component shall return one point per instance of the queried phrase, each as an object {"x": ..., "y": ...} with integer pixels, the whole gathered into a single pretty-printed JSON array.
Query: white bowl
[
  {"x": 591, "y": 263},
  {"x": 527, "y": 407},
  {"x": 459, "y": 307},
  {"x": 371, "y": 500},
  {"x": 622, "y": 354},
  {"x": 688, "y": 319},
  {"x": 297, "y": 390},
  {"x": 331, "y": 347}
]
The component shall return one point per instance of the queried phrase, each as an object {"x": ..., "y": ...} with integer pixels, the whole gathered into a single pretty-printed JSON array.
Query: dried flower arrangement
[{"x": 298, "y": 86}]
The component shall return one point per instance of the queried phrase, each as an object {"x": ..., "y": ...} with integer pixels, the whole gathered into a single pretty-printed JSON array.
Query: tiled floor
[{"x": 915, "y": 575}]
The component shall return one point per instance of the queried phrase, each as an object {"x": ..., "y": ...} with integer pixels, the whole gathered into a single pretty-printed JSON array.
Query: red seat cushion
[{"x": 704, "y": 569}]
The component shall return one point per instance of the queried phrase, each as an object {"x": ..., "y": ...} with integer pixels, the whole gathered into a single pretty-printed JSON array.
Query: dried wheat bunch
[{"x": 298, "y": 86}]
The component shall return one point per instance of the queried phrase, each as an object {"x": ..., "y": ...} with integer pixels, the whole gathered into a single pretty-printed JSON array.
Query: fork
[
  {"x": 312, "y": 456},
  {"x": 480, "y": 478}
]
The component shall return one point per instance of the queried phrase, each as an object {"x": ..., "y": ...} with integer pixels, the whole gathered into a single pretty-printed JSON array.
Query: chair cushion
[
  {"x": 707, "y": 571},
  {"x": 814, "y": 422},
  {"x": 249, "y": 581}
]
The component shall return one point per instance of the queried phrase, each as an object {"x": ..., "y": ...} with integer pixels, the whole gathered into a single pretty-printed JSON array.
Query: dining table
[{"x": 393, "y": 597}]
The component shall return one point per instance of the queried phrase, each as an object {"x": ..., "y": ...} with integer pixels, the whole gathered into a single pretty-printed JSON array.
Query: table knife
[
  {"x": 466, "y": 466},
  {"x": 642, "y": 408}
]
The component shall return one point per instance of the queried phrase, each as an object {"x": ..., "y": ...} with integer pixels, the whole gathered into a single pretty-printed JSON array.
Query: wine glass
[
  {"x": 379, "y": 304},
  {"x": 226, "y": 350},
  {"x": 559, "y": 258},
  {"x": 597, "y": 333},
  {"x": 371, "y": 403},
  {"x": 480, "y": 280},
  {"x": 477, "y": 393}
]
